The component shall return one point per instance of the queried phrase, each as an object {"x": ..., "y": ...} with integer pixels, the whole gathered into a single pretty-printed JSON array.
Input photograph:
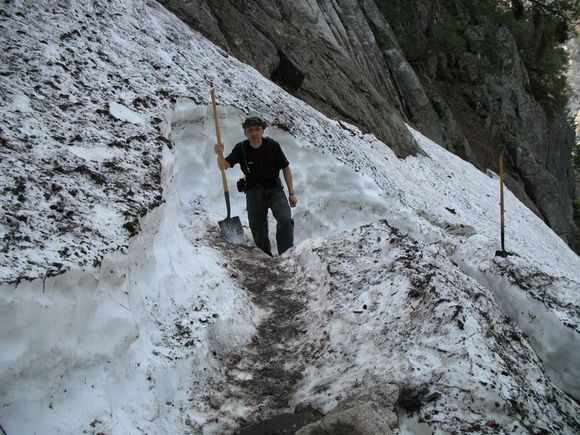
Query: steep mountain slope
[
  {"x": 445, "y": 67},
  {"x": 393, "y": 285}
]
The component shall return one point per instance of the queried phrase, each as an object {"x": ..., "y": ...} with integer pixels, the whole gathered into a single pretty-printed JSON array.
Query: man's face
[{"x": 254, "y": 133}]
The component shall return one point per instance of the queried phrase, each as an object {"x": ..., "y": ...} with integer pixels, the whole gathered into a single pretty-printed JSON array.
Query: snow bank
[
  {"x": 332, "y": 196},
  {"x": 388, "y": 309},
  {"x": 129, "y": 346},
  {"x": 553, "y": 335}
]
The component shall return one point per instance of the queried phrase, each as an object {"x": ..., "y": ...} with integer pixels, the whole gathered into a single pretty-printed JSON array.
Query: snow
[
  {"x": 94, "y": 154},
  {"x": 123, "y": 113},
  {"x": 21, "y": 103},
  {"x": 556, "y": 343},
  {"x": 323, "y": 210},
  {"x": 103, "y": 345},
  {"x": 394, "y": 259},
  {"x": 435, "y": 323}
]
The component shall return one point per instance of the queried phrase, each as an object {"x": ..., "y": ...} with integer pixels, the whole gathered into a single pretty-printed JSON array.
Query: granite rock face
[
  {"x": 378, "y": 64},
  {"x": 324, "y": 53},
  {"x": 493, "y": 103}
]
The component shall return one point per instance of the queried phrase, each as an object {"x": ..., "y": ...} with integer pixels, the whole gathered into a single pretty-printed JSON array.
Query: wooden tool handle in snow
[
  {"x": 219, "y": 140},
  {"x": 501, "y": 203}
]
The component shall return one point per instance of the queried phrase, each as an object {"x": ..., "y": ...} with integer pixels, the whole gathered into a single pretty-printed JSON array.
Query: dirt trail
[{"x": 273, "y": 359}]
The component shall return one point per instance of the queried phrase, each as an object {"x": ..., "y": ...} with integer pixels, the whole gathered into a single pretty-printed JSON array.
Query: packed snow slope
[{"x": 106, "y": 133}]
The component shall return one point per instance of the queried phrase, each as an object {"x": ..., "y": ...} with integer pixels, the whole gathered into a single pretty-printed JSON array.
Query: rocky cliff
[
  {"x": 573, "y": 47},
  {"x": 378, "y": 64}
]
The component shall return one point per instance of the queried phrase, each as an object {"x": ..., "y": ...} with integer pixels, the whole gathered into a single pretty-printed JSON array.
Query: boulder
[
  {"x": 372, "y": 412},
  {"x": 366, "y": 418}
]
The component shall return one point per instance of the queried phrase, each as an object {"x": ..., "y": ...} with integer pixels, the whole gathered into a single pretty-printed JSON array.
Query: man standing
[{"x": 261, "y": 160}]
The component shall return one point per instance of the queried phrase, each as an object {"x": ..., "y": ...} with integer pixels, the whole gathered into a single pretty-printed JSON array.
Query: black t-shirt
[{"x": 263, "y": 164}]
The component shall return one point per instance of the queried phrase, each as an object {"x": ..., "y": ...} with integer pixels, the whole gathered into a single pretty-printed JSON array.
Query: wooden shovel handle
[
  {"x": 501, "y": 201},
  {"x": 219, "y": 139},
  {"x": 215, "y": 116}
]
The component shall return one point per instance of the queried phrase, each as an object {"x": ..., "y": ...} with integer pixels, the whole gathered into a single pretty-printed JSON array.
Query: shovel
[
  {"x": 231, "y": 226},
  {"x": 503, "y": 253}
]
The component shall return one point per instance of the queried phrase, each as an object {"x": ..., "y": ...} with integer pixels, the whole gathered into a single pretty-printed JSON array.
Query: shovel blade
[
  {"x": 503, "y": 254},
  {"x": 232, "y": 229}
]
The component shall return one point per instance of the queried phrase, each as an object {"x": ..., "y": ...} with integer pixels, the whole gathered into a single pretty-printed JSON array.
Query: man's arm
[
  {"x": 292, "y": 198},
  {"x": 219, "y": 150}
]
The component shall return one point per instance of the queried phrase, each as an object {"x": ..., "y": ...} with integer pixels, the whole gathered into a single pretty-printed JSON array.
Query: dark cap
[{"x": 254, "y": 120}]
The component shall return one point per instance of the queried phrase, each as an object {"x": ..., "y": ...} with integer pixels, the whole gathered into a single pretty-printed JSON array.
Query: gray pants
[{"x": 258, "y": 201}]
